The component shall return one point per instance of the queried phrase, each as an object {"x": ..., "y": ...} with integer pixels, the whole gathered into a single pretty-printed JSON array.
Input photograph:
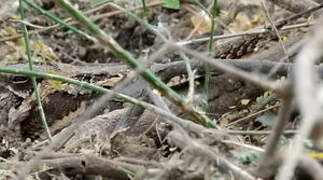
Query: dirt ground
[{"x": 119, "y": 140}]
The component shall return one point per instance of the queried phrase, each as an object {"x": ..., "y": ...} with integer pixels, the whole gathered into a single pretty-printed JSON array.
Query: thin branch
[
  {"x": 61, "y": 139},
  {"x": 94, "y": 18},
  {"x": 256, "y": 79},
  {"x": 83, "y": 164},
  {"x": 297, "y": 7},
  {"x": 252, "y": 115},
  {"x": 107, "y": 40},
  {"x": 246, "y": 146},
  {"x": 305, "y": 92},
  {"x": 182, "y": 140},
  {"x": 57, "y": 20},
  {"x": 247, "y": 33},
  {"x": 191, "y": 78},
  {"x": 281, "y": 44},
  {"x": 278, "y": 129},
  {"x": 258, "y": 133}
]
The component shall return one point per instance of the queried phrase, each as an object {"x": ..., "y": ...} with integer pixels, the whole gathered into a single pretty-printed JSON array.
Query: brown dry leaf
[
  {"x": 227, "y": 118},
  {"x": 243, "y": 22},
  {"x": 245, "y": 102},
  {"x": 201, "y": 22},
  {"x": 247, "y": 20},
  {"x": 111, "y": 82}
]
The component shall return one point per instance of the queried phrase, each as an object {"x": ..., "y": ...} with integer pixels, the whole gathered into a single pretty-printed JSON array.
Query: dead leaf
[{"x": 201, "y": 22}]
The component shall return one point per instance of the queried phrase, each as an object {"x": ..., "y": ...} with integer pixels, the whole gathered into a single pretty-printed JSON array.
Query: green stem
[
  {"x": 55, "y": 19},
  {"x": 33, "y": 79},
  {"x": 200, "y": 5},
  {"x": 145, "y": 9},
  {"x": 107, "y": 40},
  {"x": 86, "y": 85},
  {"x": 212, "y": 15}
]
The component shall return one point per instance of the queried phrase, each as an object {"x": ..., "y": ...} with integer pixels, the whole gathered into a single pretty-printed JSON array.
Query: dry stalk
[{"x": 306, "y": 95}]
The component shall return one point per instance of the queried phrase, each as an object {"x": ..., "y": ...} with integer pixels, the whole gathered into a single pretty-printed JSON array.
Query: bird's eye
[{"x": 19, "y": 79}]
